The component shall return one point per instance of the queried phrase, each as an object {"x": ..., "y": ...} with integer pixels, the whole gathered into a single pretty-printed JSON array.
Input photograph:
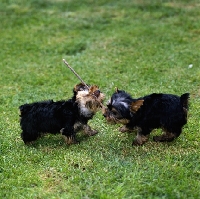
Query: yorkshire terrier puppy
[
  {"x": 165, "y": 111},
  {"x": 67, "y": 117}
]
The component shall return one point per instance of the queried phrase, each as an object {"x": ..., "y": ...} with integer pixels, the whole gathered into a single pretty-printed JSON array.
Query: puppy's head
[
  {"x": 89, "y": 100},
  {"x": 118, "y": 108}
]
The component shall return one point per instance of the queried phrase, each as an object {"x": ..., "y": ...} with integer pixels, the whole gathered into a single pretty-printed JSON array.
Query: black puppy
[
  {"x": 165, "y": 111},
  {"x": 66, "y": 117}
]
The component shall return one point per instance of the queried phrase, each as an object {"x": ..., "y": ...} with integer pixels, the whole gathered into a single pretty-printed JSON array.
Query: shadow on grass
[{"x": 56, "y": 141}]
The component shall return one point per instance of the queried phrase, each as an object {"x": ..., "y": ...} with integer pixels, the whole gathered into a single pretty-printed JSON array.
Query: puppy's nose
[
  {"x": 104, "y": 115},
  {"x": 97, "y": 93}
]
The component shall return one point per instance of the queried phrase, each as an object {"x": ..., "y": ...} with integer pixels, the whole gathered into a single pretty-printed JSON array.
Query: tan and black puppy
[
  {"x": 66, "y": 117},
  {"x": 165, "y": 111}
]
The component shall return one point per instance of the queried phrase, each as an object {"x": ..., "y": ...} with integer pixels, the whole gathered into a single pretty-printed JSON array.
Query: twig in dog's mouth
[{"x": 78, "y": 76}]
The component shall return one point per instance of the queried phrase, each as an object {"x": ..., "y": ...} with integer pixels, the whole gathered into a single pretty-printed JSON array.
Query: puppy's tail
[{"x": 185, "y": 100}]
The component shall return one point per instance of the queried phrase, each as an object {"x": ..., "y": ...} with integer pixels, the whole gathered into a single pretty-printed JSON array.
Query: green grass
[{"x": 139, "y": 46}]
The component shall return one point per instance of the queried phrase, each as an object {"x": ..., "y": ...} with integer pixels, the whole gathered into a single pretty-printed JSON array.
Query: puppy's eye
[{"x": 114, "y": 113}]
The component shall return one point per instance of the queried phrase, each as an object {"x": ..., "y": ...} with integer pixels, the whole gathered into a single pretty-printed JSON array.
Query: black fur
[{"x": 165, "y": 111}]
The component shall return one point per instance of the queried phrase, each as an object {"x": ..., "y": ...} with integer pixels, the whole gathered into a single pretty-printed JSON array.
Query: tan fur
[
  {"x": 136, "y": 105},
  {"x": 89, "y": 131},
  {"x": 124, "y": 129},
  {"x": 93, "y": 89},
  {"x": 88, "y": 102},
  {"x": 86, "y": 128},
  {"x": 69, "y": 140},
  {"x": 140, "y": 139},
  {"x": 165, "y": 136}
]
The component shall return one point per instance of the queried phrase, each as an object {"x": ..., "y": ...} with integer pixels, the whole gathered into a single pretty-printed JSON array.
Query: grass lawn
[{"x": 139, "y": 46}]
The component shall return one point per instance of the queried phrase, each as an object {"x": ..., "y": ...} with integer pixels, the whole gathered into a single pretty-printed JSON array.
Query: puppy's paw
[
  {"x": 89, "y": 131},
  {"x": 70, "y": 140},
  {"x": 166, "y": 137},
  {"x": 139, "y": 140},
  {"x": 156, "y": 138},
  {"x": 124, "y": 129},
  {"x": 136, "y": 143},
  {"x": 62, "y": 130}
]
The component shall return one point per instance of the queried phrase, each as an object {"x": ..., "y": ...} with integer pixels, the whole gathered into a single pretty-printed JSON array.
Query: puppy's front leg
[
  {"x": 141, "y": 138},
  {"x": 125, "y": 129},
  {"x": 88, "y": 130},
  {"x": 69, "y": 135}
]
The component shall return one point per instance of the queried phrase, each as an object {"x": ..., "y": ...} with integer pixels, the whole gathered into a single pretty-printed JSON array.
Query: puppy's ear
[
  {"x": 136, "y": 105},
  {"x": 93, "y": 89},
  {"x": 116, "y": 90},
  {"x": 79, "y": 87}
]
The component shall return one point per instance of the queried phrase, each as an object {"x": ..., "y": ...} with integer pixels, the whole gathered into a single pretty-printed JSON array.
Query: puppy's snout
[
  {"x": 105, "y": 112},
  {"x": 97, "y": 93}
]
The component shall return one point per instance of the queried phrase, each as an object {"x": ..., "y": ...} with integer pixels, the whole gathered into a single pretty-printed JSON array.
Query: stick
[
  {"x": 75, "y": 73},
  {"x": 82, "y": 81}
]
